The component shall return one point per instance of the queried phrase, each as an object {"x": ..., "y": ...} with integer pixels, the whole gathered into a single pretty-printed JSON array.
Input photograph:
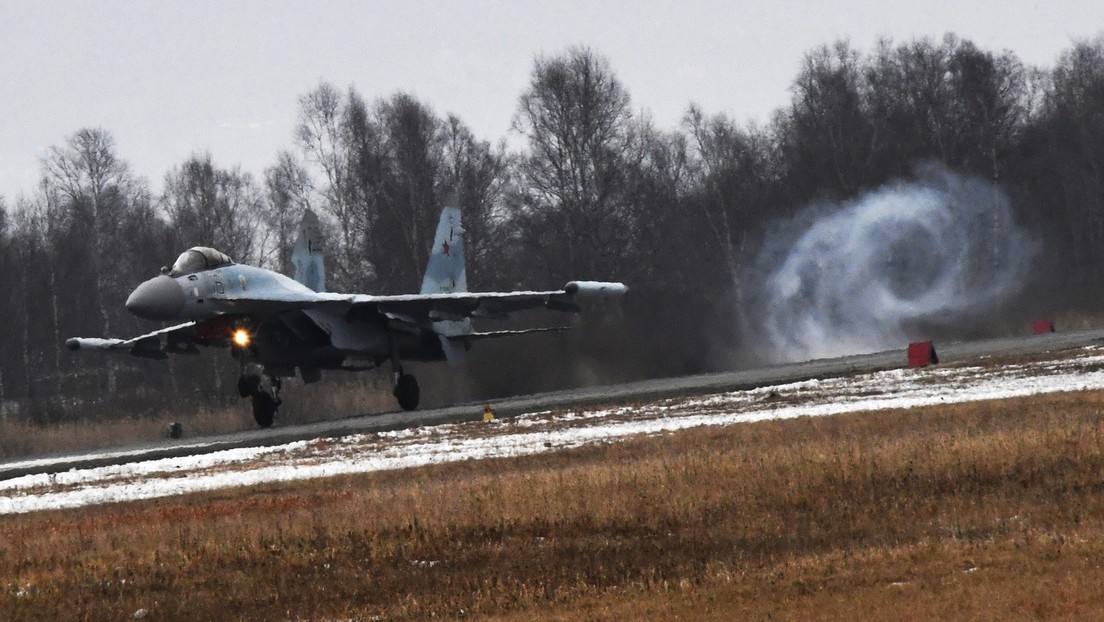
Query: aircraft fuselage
[
  {"x": 275, "y": 325},
  {"x": 239, "y": 297}
]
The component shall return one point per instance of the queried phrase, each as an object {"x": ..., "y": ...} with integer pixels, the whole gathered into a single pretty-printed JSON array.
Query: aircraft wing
[
  {"x": 459, "y": 305},
  {"x": 435, "y": 307},
  {"x": 408, "y": 307},
  {"x": 176, "y": 339}
]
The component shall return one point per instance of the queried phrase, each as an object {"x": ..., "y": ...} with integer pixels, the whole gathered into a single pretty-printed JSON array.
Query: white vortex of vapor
[{"x": 870, "y": 274}]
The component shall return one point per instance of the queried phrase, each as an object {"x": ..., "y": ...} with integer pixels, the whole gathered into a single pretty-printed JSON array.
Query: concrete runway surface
[{"x": 646, "y": 390}]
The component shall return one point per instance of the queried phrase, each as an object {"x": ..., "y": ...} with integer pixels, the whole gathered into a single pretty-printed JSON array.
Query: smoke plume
[{"x": 872, "y": 274}]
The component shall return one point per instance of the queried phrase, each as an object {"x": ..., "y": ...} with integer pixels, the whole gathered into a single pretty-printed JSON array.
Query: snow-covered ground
[{"x": 546, "y": 431}]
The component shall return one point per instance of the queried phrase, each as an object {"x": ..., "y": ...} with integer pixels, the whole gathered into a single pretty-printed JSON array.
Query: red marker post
[
  {"x": 921, "y": 354},
  {"x": 1042, "y": 327}
]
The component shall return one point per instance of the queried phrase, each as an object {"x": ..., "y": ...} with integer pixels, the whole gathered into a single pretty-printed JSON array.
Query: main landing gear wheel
[
  {"x": 407, "y": 392},
  {"x": 264, "y": 409},
  {"x": 265, "y": 393}
]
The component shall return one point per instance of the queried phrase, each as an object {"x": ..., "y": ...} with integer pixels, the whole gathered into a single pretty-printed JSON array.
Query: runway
[{"x": 720, "y": 382}]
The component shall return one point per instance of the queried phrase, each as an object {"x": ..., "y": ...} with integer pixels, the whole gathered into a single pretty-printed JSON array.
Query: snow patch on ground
[{"x": 544, "y": 431}]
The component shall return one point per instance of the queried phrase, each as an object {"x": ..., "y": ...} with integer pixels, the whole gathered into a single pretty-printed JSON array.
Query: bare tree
[
  {"x": 480, "y": 175},
  {"x": 408, "y": 199},
  {"x": 8, "y": 304},
  {"x": 96, "y": 190},
  {"x": 731, "y": 169},
  {"x": 576, "y": 118},
  {"x": 1070, "y": 167},
  {"x": 828, "y": 141},
  {"x": 322, "y": 135},
  {"x": 221, "y": 208},
  {"x": 288, "y": 187}
]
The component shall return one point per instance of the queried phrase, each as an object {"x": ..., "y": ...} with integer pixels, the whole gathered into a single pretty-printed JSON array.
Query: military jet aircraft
[{"x": 274, "y": 325}]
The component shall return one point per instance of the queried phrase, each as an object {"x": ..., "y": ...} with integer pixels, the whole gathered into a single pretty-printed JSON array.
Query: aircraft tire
[
  {"x": 247, "y": 385},
  {"x": 407, "y": 392},
  {"x": 264, "y": 409}
]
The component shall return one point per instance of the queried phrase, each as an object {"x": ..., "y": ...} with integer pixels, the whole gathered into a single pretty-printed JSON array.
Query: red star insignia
[{"x": 445, "y": 248}]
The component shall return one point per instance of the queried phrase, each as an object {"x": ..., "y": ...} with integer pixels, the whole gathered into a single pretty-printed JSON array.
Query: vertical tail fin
[
  {"x": 306, "y": 256},
  {"x": 445, "y": 273}
]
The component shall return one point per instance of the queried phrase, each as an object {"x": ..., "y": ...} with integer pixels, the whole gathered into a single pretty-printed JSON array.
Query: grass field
[
  {"x": 985, "y": 510},
  {"x": 303, "y": 404}
]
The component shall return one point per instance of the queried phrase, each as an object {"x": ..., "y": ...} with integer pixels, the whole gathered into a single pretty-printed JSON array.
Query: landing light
[{"x": 241, "y": 338}]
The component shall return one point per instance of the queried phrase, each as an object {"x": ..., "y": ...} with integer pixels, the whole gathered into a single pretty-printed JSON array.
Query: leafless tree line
[{"x": 597, "y": 192}]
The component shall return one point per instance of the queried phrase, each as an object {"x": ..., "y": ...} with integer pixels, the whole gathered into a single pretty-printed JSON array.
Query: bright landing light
[{"x": 241, "y": 337}]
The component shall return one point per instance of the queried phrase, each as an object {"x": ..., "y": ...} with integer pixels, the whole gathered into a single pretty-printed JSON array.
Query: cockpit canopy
[{"x": 197, "y": 259}]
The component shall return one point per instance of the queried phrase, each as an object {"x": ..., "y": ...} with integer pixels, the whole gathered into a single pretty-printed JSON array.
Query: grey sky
[{"x": 169, "y": 79}]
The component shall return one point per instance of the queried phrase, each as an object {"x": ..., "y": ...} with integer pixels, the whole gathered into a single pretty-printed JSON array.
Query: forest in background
[{"x": 595, "y": 191}]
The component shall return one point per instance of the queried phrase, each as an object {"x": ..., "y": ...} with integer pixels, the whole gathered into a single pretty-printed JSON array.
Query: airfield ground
[{"x": 986, "y": 509}]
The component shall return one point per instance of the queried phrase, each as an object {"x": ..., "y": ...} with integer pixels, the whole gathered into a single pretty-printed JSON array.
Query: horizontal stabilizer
[{"x": 514, "y": 333}]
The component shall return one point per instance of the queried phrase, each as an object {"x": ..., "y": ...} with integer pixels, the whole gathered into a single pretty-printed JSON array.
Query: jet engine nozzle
[{"x": 160, "y": 298}]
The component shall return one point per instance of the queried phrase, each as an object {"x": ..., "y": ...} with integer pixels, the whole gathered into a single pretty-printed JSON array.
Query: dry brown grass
[
  {"x": 989, "y": 510},
  {"x": 302, "y": 404}
]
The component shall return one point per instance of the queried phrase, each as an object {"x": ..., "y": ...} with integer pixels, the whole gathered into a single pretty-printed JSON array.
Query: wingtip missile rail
[
  {"x": 92, "y": 343},
  {"x": 596, "y": 289}
]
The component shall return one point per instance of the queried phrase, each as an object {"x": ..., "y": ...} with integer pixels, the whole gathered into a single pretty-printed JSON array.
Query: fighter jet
[{"x": 274, "y": 325}]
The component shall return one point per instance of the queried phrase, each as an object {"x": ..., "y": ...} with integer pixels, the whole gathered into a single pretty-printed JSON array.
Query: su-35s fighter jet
[{"x": 273, "y": 324}]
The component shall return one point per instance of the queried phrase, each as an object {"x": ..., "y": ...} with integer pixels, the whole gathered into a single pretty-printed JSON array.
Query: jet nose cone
[{"x": 160, "y": 298}]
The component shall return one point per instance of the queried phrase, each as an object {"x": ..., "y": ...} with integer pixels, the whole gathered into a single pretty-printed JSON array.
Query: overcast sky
[{"x": 169, "y": 79}]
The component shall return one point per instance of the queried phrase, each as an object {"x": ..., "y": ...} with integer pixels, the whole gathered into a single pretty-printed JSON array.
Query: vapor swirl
[{"x": 873, "y": 273}]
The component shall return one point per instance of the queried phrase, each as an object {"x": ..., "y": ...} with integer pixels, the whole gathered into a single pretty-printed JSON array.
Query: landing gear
[
  {"x": 406, "y": 386},
  {"x": 264, "y": 389},
  {"x": 264, "y": 409},
  {"x": 406, "y": 391}
]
